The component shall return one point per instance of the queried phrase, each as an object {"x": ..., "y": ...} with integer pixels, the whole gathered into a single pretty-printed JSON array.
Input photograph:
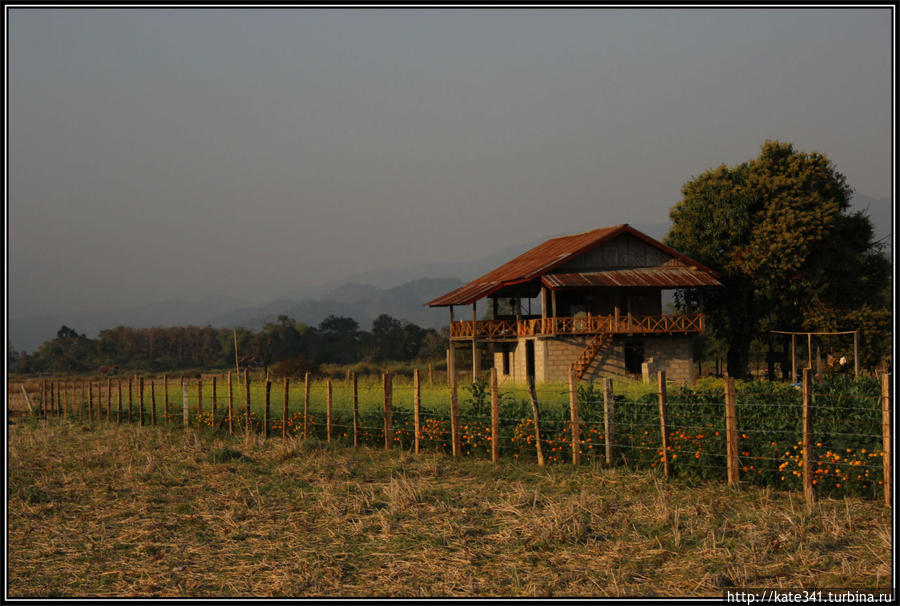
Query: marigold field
[{"x": 126, "y": 511}]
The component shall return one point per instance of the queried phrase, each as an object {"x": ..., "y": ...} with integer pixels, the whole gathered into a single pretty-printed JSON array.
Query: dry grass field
[{"x": 153, "y": 511}]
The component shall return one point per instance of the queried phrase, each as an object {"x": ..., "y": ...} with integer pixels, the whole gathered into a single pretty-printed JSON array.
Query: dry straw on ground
[{"x": 129, "y": 511}]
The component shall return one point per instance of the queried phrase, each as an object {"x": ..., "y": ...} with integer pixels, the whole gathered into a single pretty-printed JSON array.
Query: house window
[{"x": 634, "y": 356}]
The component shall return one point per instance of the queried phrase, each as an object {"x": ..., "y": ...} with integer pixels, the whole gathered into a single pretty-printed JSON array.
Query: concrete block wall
[{"x": 673, "y": 354}]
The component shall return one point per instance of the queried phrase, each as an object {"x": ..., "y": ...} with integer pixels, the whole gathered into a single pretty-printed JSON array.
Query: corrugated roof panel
[
  {"x": 655, "y": 277},
  {"x": 545, "y": 257}
]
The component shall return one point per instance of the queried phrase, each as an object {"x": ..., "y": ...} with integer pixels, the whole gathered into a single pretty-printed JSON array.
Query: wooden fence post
[
  {"x": 247, "y": 403},
  {"x": 355, "y": 412},
  {"x": 576, "y": 421},
  {"x": 90, "y": 401},
  {"x": 431, "y": 375},
  {"x": 185, "y": 413},
  {"x": 284, "y": 409},
  {"x": 663, "y": 431},
  {"x": 609, "y": 416},
  {"x": 268, "y": 417},
  {"x": 81, "y": 403},
  {"x": 808, "y": 492},
  {"x": 731, "y": 434},
  {"x": 131, "y": 397},
  {"x": 119, "y": 401},
  {"x": 417, "y": 408},
  {"x": 43, "y": 407},
  {"x": 328, "y": 404},
  {"x": 886, "y": 435},
  {"x": 152, "y": 402},
  {"x": 199, "y": 402},
  {"x": 141, "y": 392},
  {"x": 108, "y": 400},
  {"x": 495, "y": 417},
  {"x": 214, "y": 402},
  {"x": 306, "y": 406},
  {"x": 387, "y": 388},
  {"x": 537, "y": 421},
  {"x": 66, "y": 398},
  {"x": 456, "y": 441},
  {"x": 230, "y": 406},
  {"x": 167, "y": 419}
]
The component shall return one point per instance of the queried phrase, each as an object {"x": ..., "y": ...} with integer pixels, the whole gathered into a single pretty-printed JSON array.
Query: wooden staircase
[{"x": 590, "y": 352}]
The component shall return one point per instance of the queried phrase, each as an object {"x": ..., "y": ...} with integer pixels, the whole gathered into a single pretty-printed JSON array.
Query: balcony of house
[{"x": 586, "y": 324}]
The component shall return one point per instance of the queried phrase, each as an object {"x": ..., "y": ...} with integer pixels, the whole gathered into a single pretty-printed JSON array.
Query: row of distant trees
[{"x": 285, "y": 342}]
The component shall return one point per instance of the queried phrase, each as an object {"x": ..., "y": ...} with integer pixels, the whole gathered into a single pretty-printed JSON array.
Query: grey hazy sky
[{"x": 163, "y": 153}]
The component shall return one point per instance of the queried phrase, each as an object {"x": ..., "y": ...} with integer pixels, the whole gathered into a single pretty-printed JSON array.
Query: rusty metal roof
[
  {"x": 542, "y": 259},
  {"x": 656, "y": 277}
]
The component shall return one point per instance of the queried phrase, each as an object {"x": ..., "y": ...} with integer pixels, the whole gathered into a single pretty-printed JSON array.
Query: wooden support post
[
  {"x": 537, "y": 421},
  {"x": 553, "y": 303},
  {"x": 495, "y": 417},
  {"x": 417, "y": 405},
  {"x": 118, "y": 401},
  {"x": 246, "y": 403},
  {"x": 214, "y": 402},
  {"x": 306, "y": 406},
  {"x": 131, "y": 396},
  {"x": 152, "y": 402},
  {"x": 355, "y": 412},
  {"x": 608, "y": 418},
  {"x": 199, "y": 403},
  {"x": 808, "y": 492},
  {"x": 185, "y": 412},
  {"x": 141, "y": 397},
  {"x": 284, "y": 409},
  {"x": 809, "y": 350},
  {"x": 663, "y": 431},
  {"x": 886, "y": 435},
  {"x": 731, "y": 434},
  {"x": 456, "y": 442},
  {"x": 328, "y": 409},
  {"x": 856, "y": 353},
  {"x": 267, "y": 414},
  {"x": 576, "y": 422},
  {"x": 230, "y": 406},
  {"x": 388, "y": 388}
]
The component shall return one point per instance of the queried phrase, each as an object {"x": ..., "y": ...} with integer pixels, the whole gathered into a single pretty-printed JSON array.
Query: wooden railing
[{"x": 581, "y": 325}]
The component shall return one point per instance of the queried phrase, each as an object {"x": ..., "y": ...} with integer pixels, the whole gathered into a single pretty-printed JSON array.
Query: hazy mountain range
[{"x": 400, "y": 292}]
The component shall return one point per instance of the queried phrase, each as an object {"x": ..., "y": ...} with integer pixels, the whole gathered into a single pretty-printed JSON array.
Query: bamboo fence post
[
  {"x": 141, "y": 400},
  {"x": 131, "y": 396},
  {"x": 731, "y": 443},
  {"x": 199, "y": 402},
  {"x": 886, "y": 435},
  {"x": 214, "y": 403},
  {"x": 247, "y": 403},
  {"x": 328, "y": 403},
  {"x": 663, "y": 431},
  {"x": 267, "y": 418},
  {"x": 355, "y": 411},
  {"x": 108, "y": 400},
  {"x": 166, "y": 417},
  {"x": 152, "y": 402},
  {"x": 387, "y": 387},
  {"x": 119, "y": 401},
  {"x": 608, "y": 418},
  {"x": 306, "y": 405},
  {"x": 284, "y": 409},
  {"x": 808, "y": 492},
  {"x": 417, "y": 410},
  {"x": 454, "y": 405},
  {"x": 537, "y": 421},
  {"x": 27, "y": 399},
  {"x": 495, "y": 417},
  {"x": 576, "y": 421},
  {"x": 230, "y": 406},
  {"x": 185, "y": 413}
]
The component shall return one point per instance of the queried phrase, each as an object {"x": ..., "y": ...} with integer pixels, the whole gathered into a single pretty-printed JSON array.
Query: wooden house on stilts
[{"x": 599, "y": 296}]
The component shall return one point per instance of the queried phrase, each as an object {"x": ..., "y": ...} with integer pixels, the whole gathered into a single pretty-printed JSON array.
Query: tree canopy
[{"x": 792, "y": 255}]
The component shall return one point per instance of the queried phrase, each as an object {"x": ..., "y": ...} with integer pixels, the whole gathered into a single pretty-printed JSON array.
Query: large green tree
[{"x": 792, "y": 255}]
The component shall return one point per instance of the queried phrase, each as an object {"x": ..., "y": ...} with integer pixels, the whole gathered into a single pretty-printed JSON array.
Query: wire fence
[{"x": 846, "y": 438}]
